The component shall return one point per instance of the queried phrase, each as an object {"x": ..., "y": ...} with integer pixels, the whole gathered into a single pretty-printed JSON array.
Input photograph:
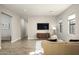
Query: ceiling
[{"x": 37, "y": 9}]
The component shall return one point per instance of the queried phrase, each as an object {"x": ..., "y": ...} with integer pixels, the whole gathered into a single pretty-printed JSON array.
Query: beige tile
[{"x": 24, "y": 47}]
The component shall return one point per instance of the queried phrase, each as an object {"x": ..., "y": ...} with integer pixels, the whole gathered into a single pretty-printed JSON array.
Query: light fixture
[{"x": 54, "y": 28}]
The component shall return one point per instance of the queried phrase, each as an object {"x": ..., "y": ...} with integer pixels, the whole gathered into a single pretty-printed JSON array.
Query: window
[
  {"x": 72, "y": 24},
  {"x": 60, "y": 27}
]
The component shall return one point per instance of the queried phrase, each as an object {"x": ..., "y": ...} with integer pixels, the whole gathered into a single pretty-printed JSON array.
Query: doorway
[
  {"x": 5, "y": 22},
  {"x": 23, "y": 29}
]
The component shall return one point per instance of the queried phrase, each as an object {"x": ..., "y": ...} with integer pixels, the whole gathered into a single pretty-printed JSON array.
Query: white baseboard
[
  {"x": 15, "y": 40},
  {"x": 32, "y": 38}
]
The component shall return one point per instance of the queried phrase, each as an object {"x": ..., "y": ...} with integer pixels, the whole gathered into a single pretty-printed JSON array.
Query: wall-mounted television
[{"x": 42, "y": 26}]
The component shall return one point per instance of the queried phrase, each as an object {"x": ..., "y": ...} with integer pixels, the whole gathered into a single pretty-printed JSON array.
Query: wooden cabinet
[{"x": 43, "y": 35}]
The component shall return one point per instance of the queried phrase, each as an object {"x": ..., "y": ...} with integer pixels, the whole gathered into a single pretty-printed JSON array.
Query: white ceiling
[{"x": 37, "y": 9}]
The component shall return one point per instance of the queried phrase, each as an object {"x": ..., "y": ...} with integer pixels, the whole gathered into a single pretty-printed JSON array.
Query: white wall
[
  {"x": 23, "y": 28},
  {"x": 32, "y": 25},
  {"x": 15, "y": 24},
  {"x": 74, "y": 9},
  {"x": 26, "y": 27},
  {"x": 16, "y": 28}
]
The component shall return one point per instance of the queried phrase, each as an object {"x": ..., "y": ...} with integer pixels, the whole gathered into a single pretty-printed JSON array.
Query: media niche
[{"x": 42, "y": 26}]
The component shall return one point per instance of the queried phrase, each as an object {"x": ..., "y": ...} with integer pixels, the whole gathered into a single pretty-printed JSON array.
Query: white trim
[
  {"x": 29, "y": 38},
  {"x": 72, "y": 17},
  {"x": 15, "y": 40}
]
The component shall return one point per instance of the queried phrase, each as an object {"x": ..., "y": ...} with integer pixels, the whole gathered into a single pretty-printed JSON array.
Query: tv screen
[{"x": 42, "y": 26}]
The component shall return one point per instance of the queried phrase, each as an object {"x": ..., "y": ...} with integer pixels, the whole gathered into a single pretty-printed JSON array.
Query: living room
[{"x": 39, "y": 26}]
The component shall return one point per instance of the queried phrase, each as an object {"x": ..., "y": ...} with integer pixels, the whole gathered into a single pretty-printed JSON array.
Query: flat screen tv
[{"x": 42, "y": 26}]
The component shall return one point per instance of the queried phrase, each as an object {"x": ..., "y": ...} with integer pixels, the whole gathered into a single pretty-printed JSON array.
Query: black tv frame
[{"x": 42, "y": 26}]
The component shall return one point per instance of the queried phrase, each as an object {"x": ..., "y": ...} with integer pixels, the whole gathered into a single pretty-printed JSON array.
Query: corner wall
[
  {"x": 73, "y": 9},
  {"x": 16, "y": 28},
  {"x": 23, "y": 28}
]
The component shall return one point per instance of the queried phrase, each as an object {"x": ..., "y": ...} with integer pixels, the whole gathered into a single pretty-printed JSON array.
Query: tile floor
[
  {"x": 21, "y": 47},
  {"x": 39, "y": 47}
]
